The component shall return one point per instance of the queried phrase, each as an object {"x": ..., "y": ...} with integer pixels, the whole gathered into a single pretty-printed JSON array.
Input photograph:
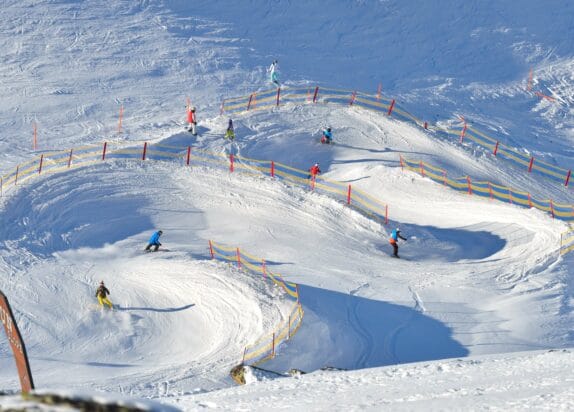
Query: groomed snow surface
[{"x": 477, "y": 313}]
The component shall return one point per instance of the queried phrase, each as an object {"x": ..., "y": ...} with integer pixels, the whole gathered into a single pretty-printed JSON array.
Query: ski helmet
[
  {"x": 102, "y": 282},
  {"x": 328, "y": 129},
  {"x": 160, "y": 232},
  {"x": 398, "y": 230}
]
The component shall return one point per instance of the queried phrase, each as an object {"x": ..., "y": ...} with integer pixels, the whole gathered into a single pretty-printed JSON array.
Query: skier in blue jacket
[
  {"x": 393, "y": 240},
  {"x": 327, "y": 136},
  {"x": 154, "y": 241}
]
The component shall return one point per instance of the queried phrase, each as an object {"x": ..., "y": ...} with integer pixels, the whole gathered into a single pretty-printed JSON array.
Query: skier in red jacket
[{"x": 314, "y": 171}]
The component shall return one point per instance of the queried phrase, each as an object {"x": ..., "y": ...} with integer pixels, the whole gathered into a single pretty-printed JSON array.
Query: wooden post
[
  {"x": 530, "y": 165},
  {"x": 188, "y": 155},
  {"x": 231, "y": 162},
  {"x": 104, "y": 152},
  {"x": 391, "y": 107},
  {"x": 495, "y": 148},
  {"x": 144, "y": 150},
  {"x": 211, "y": 250},
  {"x": 238, "y": 258},
  {"x": 315, "y": 95},
  {"x": 41, "y": 161},
  {"x": 349, "y": 195},
  {"x": 70, "y": 158}
]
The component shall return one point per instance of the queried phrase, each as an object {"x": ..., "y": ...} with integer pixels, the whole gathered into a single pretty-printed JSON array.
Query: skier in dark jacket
[
  {"x": 102, "y": 295},
  {"x": 154, "y": 241},
  {"x": 395, "y": 236}
]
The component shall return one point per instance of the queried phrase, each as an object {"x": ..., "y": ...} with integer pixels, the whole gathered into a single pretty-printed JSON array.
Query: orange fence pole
[
  {"x": 469, "y": 185},
  {"x": 349, "y": 195},
  {"x": 238, "y": 259},
  {"x": 211, "y": 250},
  {"x": 121, "y": 116},
  {"x": 463, "y": 129}
]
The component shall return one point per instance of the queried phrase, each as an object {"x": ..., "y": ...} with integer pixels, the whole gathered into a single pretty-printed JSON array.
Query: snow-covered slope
[{"x": 482, "y": 297}]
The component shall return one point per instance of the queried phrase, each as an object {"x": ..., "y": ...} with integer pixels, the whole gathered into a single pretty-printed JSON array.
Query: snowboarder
[
  {"x": 314, "y": 171},
  {"x": 154, "y": 241},
  {"x": 230, "y": 133},
  {"x": 102, "y": 295},
  {"x": 327, "y": 137},
  {"x": 191, "y": 120},
  {"x": 393, "y": 240},
  {"x": 273, "y": 73}
]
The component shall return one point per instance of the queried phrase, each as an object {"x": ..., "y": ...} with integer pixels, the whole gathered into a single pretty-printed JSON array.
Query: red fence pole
[
  {"x": 272, "y": 168},
  {"x": 391, "y": 107},
  {"x": 315, "y": 95},
  {"x": 530, "y": 165},
  {"x": 469, "y": 185},
  {"x": 463, "y": 129},
  {"x": 188, "y": 155},
  {"x": 211, "y": 250},
  {"x": 567, "y": 177},
  {"x": 231, "y": 162},
  {"x": 529, "y": 200},
  {"x": 144, "y": 151},
  {"x": 41, "y": 161},
  {"x": 495, "y": 148},
  {"x": 238, "y": 259},
  {"x": 70, "y": 158},
  {"x": 552, "y": 208},
  {"x": 278, "y": 94},
  {"x": 422, "y": 169},
  {"x": 402, "y": 164},
  {"x": 249, "y": 103},
  {"x": 349, "y": 195},
  {"x": 104, "y": 152},
  {"x": 426, "y": 125},
  {"x": 353, "y": 97}
]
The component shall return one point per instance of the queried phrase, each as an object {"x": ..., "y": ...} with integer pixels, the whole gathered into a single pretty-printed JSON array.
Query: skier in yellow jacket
[{"x": 102, "y": 295}]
